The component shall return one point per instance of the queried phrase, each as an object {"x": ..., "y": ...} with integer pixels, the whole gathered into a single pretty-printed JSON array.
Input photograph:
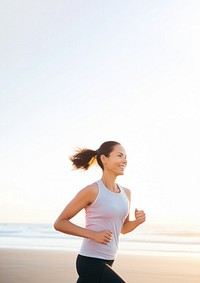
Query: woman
[{"x": 106, "y": 206}]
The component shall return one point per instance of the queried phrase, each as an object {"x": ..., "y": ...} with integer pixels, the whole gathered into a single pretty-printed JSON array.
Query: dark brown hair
[{"x": 83, "y": 158}]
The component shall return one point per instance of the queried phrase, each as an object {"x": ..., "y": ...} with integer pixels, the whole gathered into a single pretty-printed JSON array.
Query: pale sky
[{"x": 78, "y": 73}]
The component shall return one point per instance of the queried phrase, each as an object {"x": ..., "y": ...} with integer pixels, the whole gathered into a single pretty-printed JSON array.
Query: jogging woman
[{"x": 106, "y": 205}]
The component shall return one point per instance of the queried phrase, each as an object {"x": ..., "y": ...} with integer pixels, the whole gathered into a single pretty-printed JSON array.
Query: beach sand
[{"x": 50, "y": 266}]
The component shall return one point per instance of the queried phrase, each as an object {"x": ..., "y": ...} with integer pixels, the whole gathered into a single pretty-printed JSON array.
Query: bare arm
[
  {"x": 84, "y": 198},
  {"x": 130, "y": 225}
]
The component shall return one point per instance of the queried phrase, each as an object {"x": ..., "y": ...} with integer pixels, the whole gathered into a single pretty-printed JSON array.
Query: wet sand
[{"x": 50, "y": 266}]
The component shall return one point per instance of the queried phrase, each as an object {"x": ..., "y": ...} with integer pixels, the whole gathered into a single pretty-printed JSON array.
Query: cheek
[{"x": 112, "y": 165}]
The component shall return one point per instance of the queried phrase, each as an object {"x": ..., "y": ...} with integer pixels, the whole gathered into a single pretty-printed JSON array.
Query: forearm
[
  {"x": 67, "y": 227},
  {"x": 129, "y": 226}
]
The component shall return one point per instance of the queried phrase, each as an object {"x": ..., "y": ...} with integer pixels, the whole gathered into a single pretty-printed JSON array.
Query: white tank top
[{"x": 107, "y": 212}]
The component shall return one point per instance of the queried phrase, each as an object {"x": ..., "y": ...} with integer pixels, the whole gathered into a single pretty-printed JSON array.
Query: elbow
[
  {"x": 56, "y": 225},
  {"x": 123, "y": 232},
  {"x": 61, "y": 225}
]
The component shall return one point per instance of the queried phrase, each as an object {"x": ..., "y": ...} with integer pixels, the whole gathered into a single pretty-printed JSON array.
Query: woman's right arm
[{"x": 84, "y": 198}]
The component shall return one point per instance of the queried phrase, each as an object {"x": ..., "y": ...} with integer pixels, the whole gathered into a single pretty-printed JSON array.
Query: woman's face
[{"x": 116, "y": 162}]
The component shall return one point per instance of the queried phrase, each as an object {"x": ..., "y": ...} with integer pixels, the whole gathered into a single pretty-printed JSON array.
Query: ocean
[{"x": 144, "y": 240}]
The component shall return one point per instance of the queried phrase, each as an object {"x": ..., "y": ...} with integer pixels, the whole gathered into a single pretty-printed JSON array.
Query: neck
[{"x": 110, "y": 182}]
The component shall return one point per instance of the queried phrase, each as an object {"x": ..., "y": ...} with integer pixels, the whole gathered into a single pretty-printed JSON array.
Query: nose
[{"x": 125, "y": 160}]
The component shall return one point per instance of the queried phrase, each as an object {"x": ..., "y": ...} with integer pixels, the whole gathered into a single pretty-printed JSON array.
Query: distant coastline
[{"x": 149, "y": 240}]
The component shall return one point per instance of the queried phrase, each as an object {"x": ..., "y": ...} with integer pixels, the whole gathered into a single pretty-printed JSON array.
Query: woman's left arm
[{"x": 130, "y": 225}]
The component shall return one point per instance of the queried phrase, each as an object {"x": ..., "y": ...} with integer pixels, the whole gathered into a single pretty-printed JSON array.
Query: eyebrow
[{"x": 122, "y": 153}]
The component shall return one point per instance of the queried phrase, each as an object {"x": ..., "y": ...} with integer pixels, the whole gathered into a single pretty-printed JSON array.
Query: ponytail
[{"x": 84, "y": 158}]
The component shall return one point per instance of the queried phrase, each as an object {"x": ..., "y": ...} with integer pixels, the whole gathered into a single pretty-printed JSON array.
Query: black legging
[{"x": 94, "y": 270}]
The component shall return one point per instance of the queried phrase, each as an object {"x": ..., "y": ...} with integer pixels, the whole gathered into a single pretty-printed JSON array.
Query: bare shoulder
[
  {"x": 90, "y": 192},
  {"x": 92, "y": 188}
]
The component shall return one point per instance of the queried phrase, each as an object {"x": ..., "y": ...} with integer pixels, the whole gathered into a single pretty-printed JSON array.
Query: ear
[{"x": 103, "y": 159}]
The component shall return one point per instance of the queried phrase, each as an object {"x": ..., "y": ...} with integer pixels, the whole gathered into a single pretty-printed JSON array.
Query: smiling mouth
[{"x": 122, "y": 166}]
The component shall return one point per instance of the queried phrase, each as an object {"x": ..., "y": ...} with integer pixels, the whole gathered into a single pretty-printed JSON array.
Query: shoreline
[
  {"x": 50, "y": 266},
  {"x": 148, "y": 253}
]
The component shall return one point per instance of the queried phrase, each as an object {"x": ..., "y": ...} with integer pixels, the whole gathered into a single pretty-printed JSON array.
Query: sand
[{"x": 49, "y": 266}]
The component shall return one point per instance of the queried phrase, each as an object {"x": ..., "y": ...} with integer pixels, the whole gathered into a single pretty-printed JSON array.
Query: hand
[
  {"x": 139, "y": 216},
  {"x": 103, "y": 237}
]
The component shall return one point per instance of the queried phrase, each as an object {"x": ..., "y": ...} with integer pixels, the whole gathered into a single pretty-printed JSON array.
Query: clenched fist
[
  {"x": 139, "y": 216},
  {"x": 103, "y": 237}
]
